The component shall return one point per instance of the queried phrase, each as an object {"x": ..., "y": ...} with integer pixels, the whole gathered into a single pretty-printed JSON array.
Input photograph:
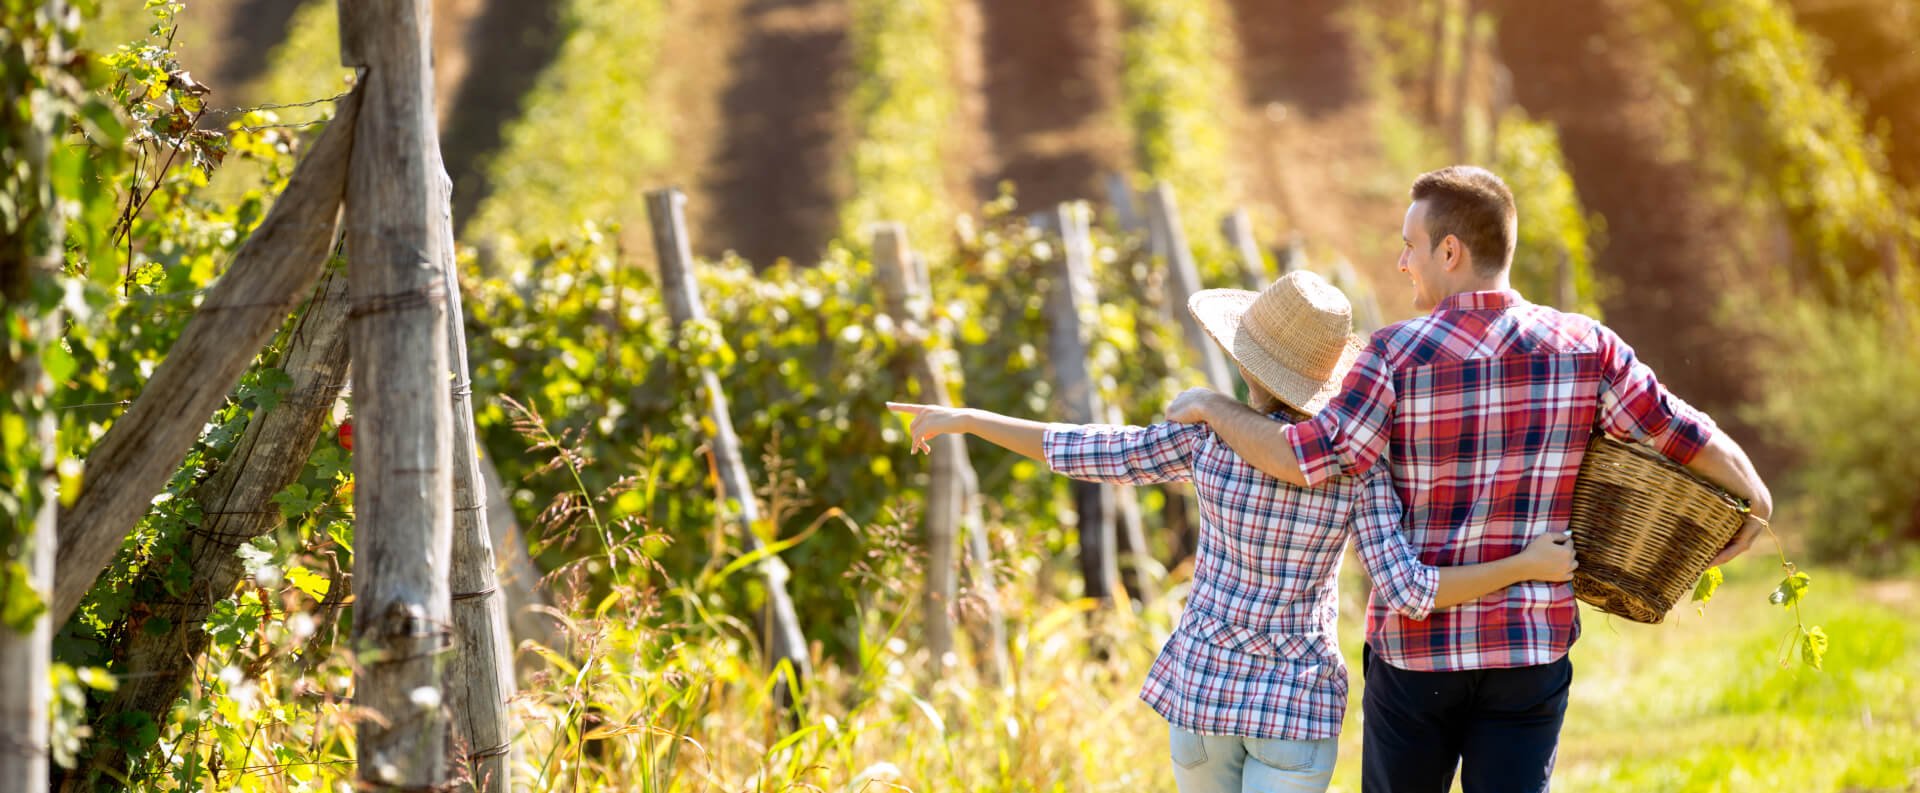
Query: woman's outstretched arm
[{"x": 1020, "y": 436}]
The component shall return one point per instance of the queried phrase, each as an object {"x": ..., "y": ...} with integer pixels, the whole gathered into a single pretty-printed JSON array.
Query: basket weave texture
[{"x": 1644, "y": 529}]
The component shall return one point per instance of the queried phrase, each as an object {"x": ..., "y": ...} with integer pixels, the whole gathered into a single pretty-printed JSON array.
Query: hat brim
[{"x": 1219, "y": 312}]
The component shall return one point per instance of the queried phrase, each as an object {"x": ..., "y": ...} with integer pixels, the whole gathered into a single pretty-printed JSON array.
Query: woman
[{"x": 1252, "y": 683}]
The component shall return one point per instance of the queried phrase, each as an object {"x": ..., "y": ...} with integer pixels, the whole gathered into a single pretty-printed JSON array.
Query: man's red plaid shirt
[{"x": 1483, "y": 410}]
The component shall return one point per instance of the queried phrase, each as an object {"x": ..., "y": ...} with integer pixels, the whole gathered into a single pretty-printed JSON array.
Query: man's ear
[{"x": 1454, "y": 249}]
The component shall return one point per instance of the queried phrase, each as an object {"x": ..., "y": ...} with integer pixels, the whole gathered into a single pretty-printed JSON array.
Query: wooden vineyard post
[
  {"x": 666, "y": 213},
  {"x": 1142, "y": 570},
  {"x": 32, "y": 253},
  {"x": 904, "y": 295},
  {"x": 1079, "y": 398},
  {"x": 1183, "y": 279},
  {"x": 1367, "y": 316},
  {"x": 1237, "y": 227},
  {"x": 480, "y": 669},
  {"x": 1294, "y": 255},
  {"x": 1120, "y": 195},
  {"x": 1073, "y": 221},
  {"x": 402, "y": 460},
  {"x": 519, "y": 576},
  {"x": 1169, "y": 242},
  {"x": 278, "y": 265}
]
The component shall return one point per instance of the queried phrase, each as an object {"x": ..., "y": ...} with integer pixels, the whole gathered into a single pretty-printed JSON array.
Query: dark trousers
[{"x": 1500, "y": 727}]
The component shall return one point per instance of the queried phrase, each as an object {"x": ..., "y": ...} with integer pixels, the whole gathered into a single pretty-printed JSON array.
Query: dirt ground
[{"x": 760, "y": 133}]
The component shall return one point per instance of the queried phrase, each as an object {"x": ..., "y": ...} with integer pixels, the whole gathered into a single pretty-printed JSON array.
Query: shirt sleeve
[
  {"x": 1399, "y": 578},
  {"x": 1635, "y": 407},
  {"x": 1350, "y": 433},
  {"x": 1122, "y": 455}
]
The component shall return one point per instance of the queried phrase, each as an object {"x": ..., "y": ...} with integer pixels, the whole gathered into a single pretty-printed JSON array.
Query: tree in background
[{"x": 1664, "y": 252}]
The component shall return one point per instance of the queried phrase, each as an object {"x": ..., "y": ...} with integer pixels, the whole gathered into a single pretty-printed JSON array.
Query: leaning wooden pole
[
  {"x": 402, "y": 460},
  {"x": 1072, "y": 292},
  {"x": 480, "y": 669},
  {"x": 1237, "y": 227},
  {"x": 520, "y": 577},
  {"x": 904, "y": 296},
  {"x": 1183, "y": 279},
  {"x": 237, "y": 502},
  {"x": 32, "y": 252},
  {"x": 785, "y": 644},
  {"x": 278, "y": 265}
]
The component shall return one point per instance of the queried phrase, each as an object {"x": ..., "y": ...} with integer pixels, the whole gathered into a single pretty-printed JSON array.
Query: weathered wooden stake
[
  {"x": 480, "y": 669},
  {"x": 1367, "y": 316},
  {"x": 32, "y": 253},
  {"x": 904, "y": 295},
  {"x": 403, "y": 451},
  {"x": 237, "y": 502},
  {"x": 1120, "y": 195},
  {"x": 1170, "y": 243},
  {"x": 519, "y": 576},
  {"x": 1075, "y": 223},
  {"x": 1237, "y": 227},
  {"x": 277, "y": 266},
  {"x": 1073, "y": 293},
  {"x": 785, "y": 644},
  {"x": 1142, "y": 573}
]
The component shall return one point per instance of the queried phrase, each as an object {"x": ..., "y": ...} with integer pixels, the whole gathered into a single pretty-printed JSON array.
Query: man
[{"x": 1483, "y": 410}]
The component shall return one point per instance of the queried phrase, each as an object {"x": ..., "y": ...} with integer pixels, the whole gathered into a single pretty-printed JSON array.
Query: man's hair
[{"x": 1474, "y": 206}]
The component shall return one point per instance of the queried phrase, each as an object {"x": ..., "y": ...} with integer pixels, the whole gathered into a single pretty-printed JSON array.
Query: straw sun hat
[{"x": 1295, "y": 337}]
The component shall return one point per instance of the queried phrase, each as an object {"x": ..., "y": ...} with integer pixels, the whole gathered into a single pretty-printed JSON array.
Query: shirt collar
[{"x": 1493, "y": 300}]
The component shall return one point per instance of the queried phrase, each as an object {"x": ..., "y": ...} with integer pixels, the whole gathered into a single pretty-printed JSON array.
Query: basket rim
[{"x": 1648, "y": 453}]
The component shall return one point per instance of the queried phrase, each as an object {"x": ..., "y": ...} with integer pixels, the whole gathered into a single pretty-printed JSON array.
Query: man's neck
[{"x": 1499, "y": 283}]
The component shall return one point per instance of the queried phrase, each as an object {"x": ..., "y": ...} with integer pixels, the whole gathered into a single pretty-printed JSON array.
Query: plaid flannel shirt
[
  {"x": 1256, "y": 653},
  {"x": 1483, "y": 410}
]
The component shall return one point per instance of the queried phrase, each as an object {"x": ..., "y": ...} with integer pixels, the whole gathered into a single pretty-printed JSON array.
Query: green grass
[{"x": 1699, "y": 703}]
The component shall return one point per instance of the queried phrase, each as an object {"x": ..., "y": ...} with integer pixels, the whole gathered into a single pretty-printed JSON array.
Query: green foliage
[
  {"x": 1842, "y": 405},
  {"x": 591, "y": 130},
  {"x": 1788, "y": 126},
  {"x": 142, "y": 248},
  {"x": 42, "y": 182},
  {"x": 903, "y": 105},
  {"x": 808, "y": 363},
  {"x": 1177, "y": 92},
  {"x": 1554, "y": 232}
]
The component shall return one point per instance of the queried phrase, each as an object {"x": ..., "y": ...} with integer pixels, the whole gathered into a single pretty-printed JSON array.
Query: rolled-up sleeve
[
  {"x": 1400, "y": 580},
  {"x": 1635, "y": 407},
  {"x": 1351, "y": 433},
  {"x": 1122, "y": 455}
]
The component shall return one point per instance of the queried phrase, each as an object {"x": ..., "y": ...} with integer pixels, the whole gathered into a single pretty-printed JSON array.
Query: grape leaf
[
  {"x": 1704, "y": 588},
  {"x": 1813, "y": 646},
  {"x": 1790, "y": 590}
]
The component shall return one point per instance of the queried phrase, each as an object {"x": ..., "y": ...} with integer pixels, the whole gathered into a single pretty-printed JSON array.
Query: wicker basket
[{"x": 1644, "y": 529}]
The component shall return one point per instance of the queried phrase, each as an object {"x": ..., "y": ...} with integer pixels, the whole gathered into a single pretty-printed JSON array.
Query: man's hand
[
  {"x": 1190, "y": 407},
  {"x": 1749, "y": 531},
  {"x": 1548, "y": 558},
  {"x": 930, "y": 421}
]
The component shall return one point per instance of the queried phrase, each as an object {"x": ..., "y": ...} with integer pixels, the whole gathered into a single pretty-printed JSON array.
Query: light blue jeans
[{"x": 1231, "y": 764}]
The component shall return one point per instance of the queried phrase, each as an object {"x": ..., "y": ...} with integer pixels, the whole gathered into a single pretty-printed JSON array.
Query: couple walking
[{"x": 1445, "y": 447}]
